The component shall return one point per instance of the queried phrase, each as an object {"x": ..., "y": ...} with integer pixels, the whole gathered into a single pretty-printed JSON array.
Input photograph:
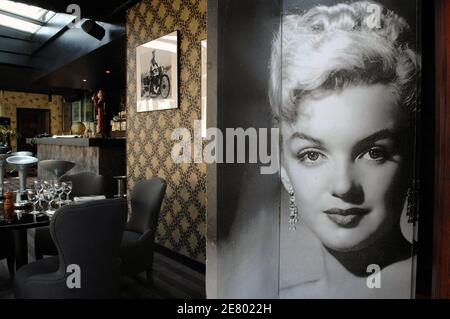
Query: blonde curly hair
[{"x": 331, "y": 48}]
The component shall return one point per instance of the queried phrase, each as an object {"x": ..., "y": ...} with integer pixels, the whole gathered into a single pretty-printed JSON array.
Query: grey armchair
[
  {"x": 86, "y": 183},
  {"x": 138, "y": 239},
  {"x": 7, "y": 250},
  {"x": 83, "y": 184},
  {"x": 87, "y": 235}
]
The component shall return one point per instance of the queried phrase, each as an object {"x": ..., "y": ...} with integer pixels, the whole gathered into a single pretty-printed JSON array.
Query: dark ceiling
[
  {"x": 112, "y": 11},
  {"x": 57, "y": 59},
  {"x": 110, "y": 57}
]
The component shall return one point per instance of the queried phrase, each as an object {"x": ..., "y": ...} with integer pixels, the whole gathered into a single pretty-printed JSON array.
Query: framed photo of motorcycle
[{"x": 157, "y": 74}]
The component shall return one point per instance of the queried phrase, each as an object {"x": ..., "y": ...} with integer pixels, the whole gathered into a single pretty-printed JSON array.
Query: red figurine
[{"x": 99, "y": 105}]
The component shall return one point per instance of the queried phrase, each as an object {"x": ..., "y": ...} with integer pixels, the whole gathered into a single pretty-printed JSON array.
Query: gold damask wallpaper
[
  {"x": 182, "y": 221},
  {"x": 11, "y": 101}
]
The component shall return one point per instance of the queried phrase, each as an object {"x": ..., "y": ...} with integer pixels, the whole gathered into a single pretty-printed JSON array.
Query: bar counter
[
  {"x": 104, "y": 156},
  {"x": 85, "y": 142}
]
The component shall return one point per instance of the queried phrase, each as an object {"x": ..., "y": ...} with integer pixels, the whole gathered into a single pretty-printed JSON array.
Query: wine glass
[
  {"x": 49, "y": 196},
  {"x": 39, "y": 187},
  {"x": 67, "y": 189},
  {"x": 58, "y": 188},
  {"x": 33, "y": 197}
]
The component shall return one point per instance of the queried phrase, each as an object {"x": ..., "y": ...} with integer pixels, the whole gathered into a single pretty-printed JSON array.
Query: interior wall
[
  {"x": 243, "y": 203},
  {"x": 182, "y": 219},
  {"x": 10, "y": 101}
]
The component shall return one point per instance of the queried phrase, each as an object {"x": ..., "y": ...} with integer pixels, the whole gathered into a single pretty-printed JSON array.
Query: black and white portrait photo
[
  {"x": 340, "y": 83},
  {"x": 157, "y": 74},
  {"x": 344, "y": 92}
]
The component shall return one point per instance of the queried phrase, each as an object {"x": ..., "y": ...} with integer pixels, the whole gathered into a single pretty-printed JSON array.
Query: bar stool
[
  {"x": 56, "y": 167},
  {"x": 22, "y": 164},
  {"x": 22, "y": 154},
  {"x": 121, "y": 193}
]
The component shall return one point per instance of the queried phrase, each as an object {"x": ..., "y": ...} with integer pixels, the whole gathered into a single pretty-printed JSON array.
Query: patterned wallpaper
[
  {"x": 11, "y": 101},
  {"x": 182, "y": 219}
]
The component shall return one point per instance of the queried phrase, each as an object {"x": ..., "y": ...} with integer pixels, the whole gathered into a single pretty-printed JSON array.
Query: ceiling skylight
[
  {"x": 23, "y": 17},
  {"x": 18, "y": 24}
]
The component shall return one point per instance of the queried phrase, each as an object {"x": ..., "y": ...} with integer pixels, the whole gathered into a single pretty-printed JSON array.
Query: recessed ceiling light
[{"x": 108, "y": 71}]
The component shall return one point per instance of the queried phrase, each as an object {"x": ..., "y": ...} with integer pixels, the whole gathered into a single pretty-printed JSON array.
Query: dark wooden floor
[{"x": 171, "y": 279}]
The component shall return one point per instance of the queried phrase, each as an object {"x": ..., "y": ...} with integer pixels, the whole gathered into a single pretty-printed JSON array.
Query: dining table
[{"x": 19, "y": 224}]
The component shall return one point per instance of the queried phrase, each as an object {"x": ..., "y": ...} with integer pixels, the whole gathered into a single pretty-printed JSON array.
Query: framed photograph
[{"x": 157, "y": 74}]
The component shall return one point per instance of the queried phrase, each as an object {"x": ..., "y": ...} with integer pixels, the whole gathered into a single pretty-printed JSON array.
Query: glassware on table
[
  {"x": 49, "y": 196},
  {"x": 33, "y": 197},
  {"x": 39, "y": 188},
  {"x": 67, "y": 189},
  {"x": 58, "y": 188}
]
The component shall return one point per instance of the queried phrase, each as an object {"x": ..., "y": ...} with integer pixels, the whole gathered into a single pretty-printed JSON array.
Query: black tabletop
[{"x": 26, "y": 221}]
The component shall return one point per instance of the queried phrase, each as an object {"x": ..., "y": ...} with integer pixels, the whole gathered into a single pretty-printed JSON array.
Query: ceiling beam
[
  {"x": 15, "y": 45},
  {"x": 15, "y": 59}
]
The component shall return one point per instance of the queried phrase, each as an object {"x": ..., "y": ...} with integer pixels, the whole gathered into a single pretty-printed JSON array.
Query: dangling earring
[{"x": 293, "y": 217}]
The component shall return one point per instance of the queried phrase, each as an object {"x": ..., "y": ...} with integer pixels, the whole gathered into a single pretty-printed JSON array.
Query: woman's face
[{"x": 343, "y": 159}]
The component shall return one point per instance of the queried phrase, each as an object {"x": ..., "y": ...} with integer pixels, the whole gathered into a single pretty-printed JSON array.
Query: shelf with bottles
[{"x": 119, "y": 125}]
